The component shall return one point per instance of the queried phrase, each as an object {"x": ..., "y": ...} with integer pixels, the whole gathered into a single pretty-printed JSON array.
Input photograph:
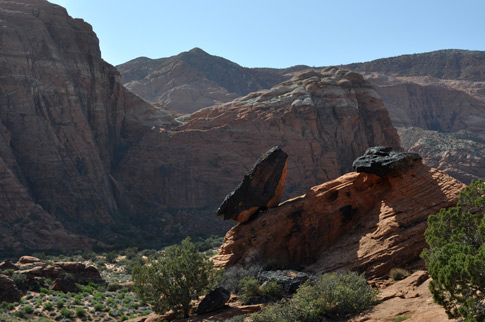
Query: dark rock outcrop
[
  {"x": 382, "y": 161},
  {"x": 359, "y": 221},
  {"x": 65, "y": 274},
  {"x": 8, "y": 290},
  {"x": 66, "y": 285},
  {"x": 261, "y": 188},
  {"x": 8, "y": 264},
  {"x": 289, "y": 279},
  {"x": 214, "y": 300}
]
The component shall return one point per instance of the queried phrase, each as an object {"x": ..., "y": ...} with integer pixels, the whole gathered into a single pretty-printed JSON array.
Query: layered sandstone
[
  {"x": 358, "y": 221},
  {"x": 63, "y": 117},
  {"x": 323, "y": 121}
]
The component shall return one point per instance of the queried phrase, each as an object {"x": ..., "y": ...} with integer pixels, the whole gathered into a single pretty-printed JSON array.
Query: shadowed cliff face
[
  {"x": 323, "y": 121},
  {"x": 63, "y": 113}
]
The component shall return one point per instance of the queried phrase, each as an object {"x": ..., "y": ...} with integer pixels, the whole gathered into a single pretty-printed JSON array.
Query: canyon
[{"x": 86, "y": 163}]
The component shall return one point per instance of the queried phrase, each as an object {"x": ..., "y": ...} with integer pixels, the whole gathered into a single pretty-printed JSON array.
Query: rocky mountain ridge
[
  {"x": 194, "y": 79},
  {"x": 441, "y": 91}
]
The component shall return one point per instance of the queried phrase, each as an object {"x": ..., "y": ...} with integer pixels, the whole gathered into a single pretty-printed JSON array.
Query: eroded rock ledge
[{"x": 359, "y": 221}]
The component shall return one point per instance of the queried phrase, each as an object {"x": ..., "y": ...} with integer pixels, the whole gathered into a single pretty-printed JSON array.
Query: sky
[{"x": 268, "y": 33}]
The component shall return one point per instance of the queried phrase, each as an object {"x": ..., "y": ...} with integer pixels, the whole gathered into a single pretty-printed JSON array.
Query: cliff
[
  {"x": 63, "y": 116},
  {"x": 322, "y": 120}
]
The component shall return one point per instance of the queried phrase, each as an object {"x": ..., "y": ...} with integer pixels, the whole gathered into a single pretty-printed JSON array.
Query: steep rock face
[
  {"x": 358, "y": 221},
  {"x": 459, "y": 154},
  {"x": 63, "y": 114},
  {"x": 193, "y": 80},
  {"x": 323, "y": 121},
  {"x": 442, "y": 91}
]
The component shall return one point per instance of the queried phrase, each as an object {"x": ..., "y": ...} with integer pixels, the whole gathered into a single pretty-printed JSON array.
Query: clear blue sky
[{"x": 268, "y": 33}]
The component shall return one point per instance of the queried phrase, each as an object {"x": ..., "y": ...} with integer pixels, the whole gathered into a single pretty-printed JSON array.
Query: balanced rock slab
[
  {"x": 261, "y": 188},
  {"x": 382, "y": 161}
]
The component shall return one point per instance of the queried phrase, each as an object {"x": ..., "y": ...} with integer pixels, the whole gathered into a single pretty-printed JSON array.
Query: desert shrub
[
  {"x": 99, "y": 307},
  {"x": 28, "y": 309},
  {"x": 173, "y": 280},
  {"x": 48, "y": 306},
  {"x": 252, "y": 292},
  {"x": 60, "y": 303},
  {"x": 237, "y": 318},
  {"x": 20, "y": 314},
  {"x": 113, "y": 287},
  {"x": 9, "y": 272},
  {"x": 21, "y": 281},
  {"x": 124, "y": 318},
  {"x": 333, "y": 295},
  {"x": 398, "y": 274},
  {"x": 66, "y": 313},
  {"x": 80, "y": 312},
  {"x": 456, "y": 258},
  {"x": 44, "y": 290},
  {"x": 233, "y": 275},
  {"x": 250, "y": 289},
  {"x": 400, "y": 318}
]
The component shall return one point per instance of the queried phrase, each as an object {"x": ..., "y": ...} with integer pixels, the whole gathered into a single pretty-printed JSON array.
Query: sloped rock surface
[
  {"x": 410, "y": 297},
  {"x": 459, "y": 154},
  {"x": 261, "y": 188},
  {"x": 358, "y": 221},
  {"x": 382, "y": 161}
]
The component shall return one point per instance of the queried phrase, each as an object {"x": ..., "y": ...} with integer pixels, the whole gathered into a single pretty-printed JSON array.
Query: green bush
[
  {"x": 173, "y": 280},
  {"x": 456, "y": 258},
  {"x": 99, "y": 307},
  {"x": 48, "y": 306},
  {"x": 401, "y": 318},
  {"x": 252, "y": 292},
  {"x": 28, "y": 309},
  {"x": 333, "y": 296},
  {"x": 66, "y": 313},
  {"x": 80, "y": 312},
  {"x": 60, "y": 303},
  {"x": 398, "y": 274},
  {"x": 21, "y": 281},
  {"x": 250, "y": 289}
]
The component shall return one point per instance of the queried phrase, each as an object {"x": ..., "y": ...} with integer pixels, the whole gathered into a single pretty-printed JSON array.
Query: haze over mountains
[{"x": 442, "y": 91}]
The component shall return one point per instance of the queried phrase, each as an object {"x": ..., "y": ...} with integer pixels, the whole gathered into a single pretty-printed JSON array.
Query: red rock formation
[
  {"x": 323, "y": 121},
  {"x": 358, "y": 221},
  {"x": 63, "y": 117}
]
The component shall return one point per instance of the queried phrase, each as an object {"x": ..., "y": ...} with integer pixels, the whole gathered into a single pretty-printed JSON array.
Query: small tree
[
  {"x": 456, "y": 258},
  {"x": 173, "y": 280}
]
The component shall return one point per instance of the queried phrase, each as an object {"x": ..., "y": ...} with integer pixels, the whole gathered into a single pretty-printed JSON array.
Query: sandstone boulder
[
  {"x": 26, "y": 260},
  {"x": 65, "y": 285},
  {"x": 383, "y": 161},
  {"x": 359, "y": 221},
  {"x": 261, "y": 188},
  {"x": 214, "y": 300},
  {"x": 8, "y": 290}
]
